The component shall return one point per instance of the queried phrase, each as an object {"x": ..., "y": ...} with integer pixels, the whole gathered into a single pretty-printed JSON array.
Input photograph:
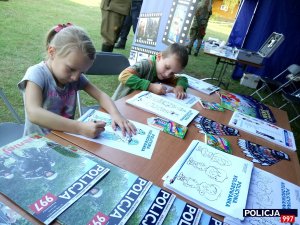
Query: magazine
[
  {"x": 110, "y": 201},
  {"x": 141, "y": 144},
  {"x": 212, "y": 179},
  {"x": 207, "y": 219},
  {"x": 183, "y": 213},
  {"x": 200, "y": 85},
  {"x": 268, "y": 191},
  {"x": 45, "y": 178},
  {"x": 9, "y": 216},
  {"x": 262, "y": 129},
  {"x": 154, "y": 207},
  {"x": 163, "y": 107},
  {"x": 247, "y": 105}
]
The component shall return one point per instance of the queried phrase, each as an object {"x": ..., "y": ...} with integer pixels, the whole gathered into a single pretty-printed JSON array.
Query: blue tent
[{"x": 256, "y": 21}]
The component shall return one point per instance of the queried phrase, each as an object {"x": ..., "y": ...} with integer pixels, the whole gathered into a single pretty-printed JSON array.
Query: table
[
  {"x": 168, "y": 148},
  {"x": 166, "y": 152},
  {"x": 227, "y": 56}
]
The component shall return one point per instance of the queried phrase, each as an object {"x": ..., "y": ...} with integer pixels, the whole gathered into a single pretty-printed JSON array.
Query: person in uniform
[
  {"x": 113, "y": 14},
  {"x": 199, "y": 24}
]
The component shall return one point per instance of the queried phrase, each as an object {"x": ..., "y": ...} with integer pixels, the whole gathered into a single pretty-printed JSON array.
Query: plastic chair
[
  {"x": 292, "y": 99},
  {"x": 105, "y": 63},
  {"x": 10, "y": 131},
  {"x": 283, "y": 81}
]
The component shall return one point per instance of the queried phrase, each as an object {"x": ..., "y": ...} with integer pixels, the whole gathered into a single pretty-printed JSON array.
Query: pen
[{"x": 183, "y": 162}]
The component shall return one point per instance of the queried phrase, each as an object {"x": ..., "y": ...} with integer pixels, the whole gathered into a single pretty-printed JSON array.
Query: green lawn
[{"x": 23, "y": 26}]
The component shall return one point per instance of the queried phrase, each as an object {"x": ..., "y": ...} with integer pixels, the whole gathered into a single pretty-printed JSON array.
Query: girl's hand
[
  {"x": 125, "y": 125},
  {"x": 179, "y": 92},
  {"x": 92, "y": 129}
]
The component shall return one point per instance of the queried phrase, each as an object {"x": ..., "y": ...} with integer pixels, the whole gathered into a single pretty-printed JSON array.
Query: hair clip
[{"x": 59, "y": 27}]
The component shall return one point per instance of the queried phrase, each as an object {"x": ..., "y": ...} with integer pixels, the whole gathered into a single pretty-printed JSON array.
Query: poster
[{"x": 161, "y": 23}]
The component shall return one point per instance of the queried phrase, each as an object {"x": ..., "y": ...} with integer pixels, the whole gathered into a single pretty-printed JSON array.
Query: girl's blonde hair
[{"x": 70, "y": 38}]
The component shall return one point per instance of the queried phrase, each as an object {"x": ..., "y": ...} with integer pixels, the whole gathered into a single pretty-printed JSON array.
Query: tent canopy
[{"x": 256, "y": 21}]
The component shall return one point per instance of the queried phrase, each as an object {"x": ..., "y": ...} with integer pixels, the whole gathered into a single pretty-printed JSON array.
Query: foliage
[{"x": 22, "y": 45}]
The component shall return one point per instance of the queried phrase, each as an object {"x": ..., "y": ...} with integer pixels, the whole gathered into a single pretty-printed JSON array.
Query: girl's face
[
  {"x": 167, "y": 67},
  {"x": 68, "y": 68}
]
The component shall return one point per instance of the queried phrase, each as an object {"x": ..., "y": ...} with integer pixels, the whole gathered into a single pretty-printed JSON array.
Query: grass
[{"x": 23, "y": 26}]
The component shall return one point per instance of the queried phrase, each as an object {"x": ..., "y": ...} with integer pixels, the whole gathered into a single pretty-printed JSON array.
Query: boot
[
  {"x": 120, "y": 44},
  {"x": 189, "y": 49},
  {"x": 107, "y": 48},
  {"x": 196, "y": 52}
]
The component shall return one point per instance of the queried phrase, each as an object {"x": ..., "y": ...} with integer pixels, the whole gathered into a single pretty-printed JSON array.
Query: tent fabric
[{"x": 256, "y": 21}]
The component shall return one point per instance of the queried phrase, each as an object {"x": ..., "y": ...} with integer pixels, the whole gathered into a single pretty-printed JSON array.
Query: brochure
[{"x": 262, "y": 129}]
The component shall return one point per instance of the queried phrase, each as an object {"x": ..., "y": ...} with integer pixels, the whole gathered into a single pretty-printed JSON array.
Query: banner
[{"x": 161, "y": 23}]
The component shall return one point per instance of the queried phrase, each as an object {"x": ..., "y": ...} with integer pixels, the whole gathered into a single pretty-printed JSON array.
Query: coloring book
[
  {"x": 141, "y": 144},
  {"x": 188, "y": 101},
  {"x": 200, "y": 85},
  {"x": 212, "y": 179},
  {"x": 262, "y": 129},
  {"x": 44, "y": 177},
  {"x": 268, "y": 191},
  {"x": 163, "y": 107},
  {"x": 111, "y": 201}
]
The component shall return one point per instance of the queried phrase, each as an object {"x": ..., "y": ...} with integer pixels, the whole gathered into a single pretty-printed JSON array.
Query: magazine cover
[
  {"x": 45, "y": 178},
  {"x": 247, "y": 105},
  {"x": 209, "y": 220},
  {"x": 262, "y": 129},
  {"x": 183, "y": 213},
  {"x": 268, "y": 191},
  {"x": 110, "y": 201},
  {"x": 154, "y": 207},
  {"x": 141, "y": 144},
  {"x": 200, "y": 85},
  {"x": 212, "y": 179},
  {"x": 10, "y": 217},
  {"x": 163, "y": 107}
]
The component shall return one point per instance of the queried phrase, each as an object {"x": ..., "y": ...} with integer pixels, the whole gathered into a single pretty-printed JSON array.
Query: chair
[
  {"x": 105, "y": 63},
  {"x": 283, "y": 81},
  {"x": 292, "y": 99},
  {"x": 10, "y": 131}
]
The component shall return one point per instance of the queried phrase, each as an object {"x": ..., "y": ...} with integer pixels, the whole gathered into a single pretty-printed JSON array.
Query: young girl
[
  {"x": 50, "y": 87},
  {"x": 147, "y": 74}
]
